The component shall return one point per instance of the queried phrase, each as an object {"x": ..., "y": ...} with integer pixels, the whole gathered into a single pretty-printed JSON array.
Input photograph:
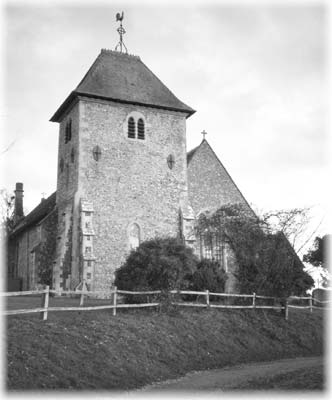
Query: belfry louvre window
[
  {"x": 131, "y": 128},
  {"x": 140, "y": 129}
]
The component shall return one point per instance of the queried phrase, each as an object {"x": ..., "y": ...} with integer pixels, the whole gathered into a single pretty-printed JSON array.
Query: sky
[{"x": 255, "y": 72}]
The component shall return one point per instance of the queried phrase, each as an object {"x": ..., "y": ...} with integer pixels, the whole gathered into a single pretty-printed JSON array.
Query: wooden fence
[{"x": 44, "y": 309}]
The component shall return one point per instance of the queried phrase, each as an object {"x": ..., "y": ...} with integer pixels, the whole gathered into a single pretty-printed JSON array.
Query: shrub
[
  {"x": 157, "y": 264},
  {"x": 208, "y": 276}
]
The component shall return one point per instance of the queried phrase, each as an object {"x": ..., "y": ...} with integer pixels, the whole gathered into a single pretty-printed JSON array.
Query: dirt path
[{"x": 236, "y": 377}]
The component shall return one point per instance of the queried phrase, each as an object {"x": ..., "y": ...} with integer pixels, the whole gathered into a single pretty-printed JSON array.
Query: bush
[
  {"x": 208, "y": 276},
  {"x": 157, "y": 264}
]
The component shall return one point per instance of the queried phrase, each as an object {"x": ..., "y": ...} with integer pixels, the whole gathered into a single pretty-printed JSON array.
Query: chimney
[{"x": 18, "y": 211}]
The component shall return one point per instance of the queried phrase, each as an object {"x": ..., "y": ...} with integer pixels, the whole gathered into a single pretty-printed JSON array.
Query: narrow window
[
  {"x": 140, "y": 129},
  {"x": 62, "y": 165},
  {"x": 218, "y": 250},
  {"x": 134, "y": 236},
  {"x": 131, "y": 128},
  {"x": 72, "y": 155},
  {"x": 207, "y": 246},
  {"x": 67, "y": 174},
  {"x": 68, "y": 131}
]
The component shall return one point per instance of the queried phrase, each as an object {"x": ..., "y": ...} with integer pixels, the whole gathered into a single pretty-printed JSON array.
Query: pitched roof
[
  {"x": 36, "y": 215},
  {"x": 126, "y": 79},
  {"x": 204, "y": 144}
]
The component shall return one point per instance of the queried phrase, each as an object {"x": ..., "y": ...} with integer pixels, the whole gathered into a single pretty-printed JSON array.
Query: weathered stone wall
[
  {"x": 25, "y": 264},
  {"x": 131, "y": 183},
  {"x": 209, "y": 184},
  {"x": 67, "y": 178},
  {"x": 30, "y": 248},
  {"x": 67, "y": 256}
]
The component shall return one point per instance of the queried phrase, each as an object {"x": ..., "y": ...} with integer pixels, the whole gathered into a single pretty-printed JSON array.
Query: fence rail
[{"x": 44, "y": 309}]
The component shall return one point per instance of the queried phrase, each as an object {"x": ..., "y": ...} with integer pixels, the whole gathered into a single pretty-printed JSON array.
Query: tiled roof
[
  {"x": 36, "y": 215},
  {"x": 123, "y": 78}
]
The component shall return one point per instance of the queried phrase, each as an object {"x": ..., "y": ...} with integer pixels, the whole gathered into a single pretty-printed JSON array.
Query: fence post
[
  {"x": 44, "y": 302},
  {"x": 254, "y": 300},
  {"x": 207, "y": 298},
  {"x": 286, "y": 309},
  {"x": 114, "y": 300},
  {"x": 82, "y": 299},
  {"x": 310, "y": 304}
]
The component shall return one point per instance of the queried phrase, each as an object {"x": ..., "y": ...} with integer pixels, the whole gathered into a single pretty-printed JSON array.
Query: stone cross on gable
[{"x": 204, "y": 133}]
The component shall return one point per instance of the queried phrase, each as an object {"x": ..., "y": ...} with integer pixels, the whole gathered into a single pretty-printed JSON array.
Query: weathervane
[
  {"x": 204, "y": 133},
  {"x": 121, "y": 31}
]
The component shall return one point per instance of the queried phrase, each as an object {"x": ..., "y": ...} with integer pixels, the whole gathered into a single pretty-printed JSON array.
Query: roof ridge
[{"x": 118, "y": 53}]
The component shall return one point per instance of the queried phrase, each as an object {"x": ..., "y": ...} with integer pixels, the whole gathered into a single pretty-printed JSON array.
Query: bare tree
[{"x": 293, "y": 223}]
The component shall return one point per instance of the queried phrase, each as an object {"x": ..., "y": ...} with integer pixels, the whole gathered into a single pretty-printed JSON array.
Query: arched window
[
  {"x": 134, "y": 236},
  {"x": 131, "y": 128},
  {"x": 140, "y": 129}
]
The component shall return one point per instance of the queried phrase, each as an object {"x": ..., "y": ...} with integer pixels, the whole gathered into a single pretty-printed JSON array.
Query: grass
[{"x": 94, "y": 350}]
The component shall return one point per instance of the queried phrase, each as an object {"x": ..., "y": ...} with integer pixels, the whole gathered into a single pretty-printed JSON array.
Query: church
[{"x": 124, "y": 175}]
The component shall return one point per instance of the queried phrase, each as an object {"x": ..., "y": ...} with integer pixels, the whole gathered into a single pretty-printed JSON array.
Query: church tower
[{"x": 122, "y": 169}]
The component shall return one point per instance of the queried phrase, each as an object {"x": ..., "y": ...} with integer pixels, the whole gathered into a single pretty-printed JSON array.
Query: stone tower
[{"x": 122, "y": 169}]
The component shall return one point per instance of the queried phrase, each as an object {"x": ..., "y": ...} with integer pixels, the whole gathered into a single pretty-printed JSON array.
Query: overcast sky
[{"x": 255, "y": 73}]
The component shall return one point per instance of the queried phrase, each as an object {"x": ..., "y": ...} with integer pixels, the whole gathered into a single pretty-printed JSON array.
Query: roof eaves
[
  {"x": 57, "y": 116},
  {"x": 39, "y": 213},
  {"x": 186, "y": 107},
  {"x": 74, "y": 95}
]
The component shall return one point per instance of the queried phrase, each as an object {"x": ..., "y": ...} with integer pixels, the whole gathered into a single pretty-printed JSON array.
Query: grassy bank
[{"x": 93, "y": 350}]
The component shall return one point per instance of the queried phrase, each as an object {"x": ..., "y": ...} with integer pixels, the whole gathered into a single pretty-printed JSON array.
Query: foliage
[
  {"x": 46, "y": 251},
  {"x": 267, "y": 263},
  {"x": 208, "y": 276},
  {"x": 7, "y": 209},
  {"x": 318, "y": 257},
  {"x": 157, "y": 264}
]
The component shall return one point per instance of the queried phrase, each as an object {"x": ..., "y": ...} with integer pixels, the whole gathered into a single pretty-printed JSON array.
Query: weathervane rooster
[
  {"x": 119, "y": 17},
  {"x": 121, "y": 30}
]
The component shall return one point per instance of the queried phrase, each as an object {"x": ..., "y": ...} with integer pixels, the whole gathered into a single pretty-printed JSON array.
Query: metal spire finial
[
  {"x": 204, "y": 133},
  {"x": 121, "y": 31}
]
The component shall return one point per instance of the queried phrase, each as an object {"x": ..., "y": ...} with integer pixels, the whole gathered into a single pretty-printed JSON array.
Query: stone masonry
[{"x": 130, "y": 183}]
